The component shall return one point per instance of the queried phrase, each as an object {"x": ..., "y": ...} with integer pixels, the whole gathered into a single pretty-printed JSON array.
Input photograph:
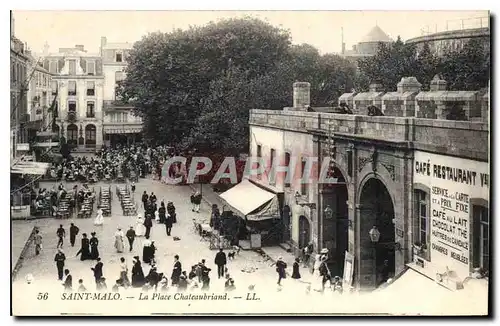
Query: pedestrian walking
[
  {"x": 176, "y": 272},
  {"x": 148, "y": 224},
  {"x": 171, "y": 211},
  {"x": 137, "y": 273},
  {"x": 196, "y": 202},
  {"x": 59, "y": 259},
  {"x": 73, "y": 231},
  {"x": 147, "y": 253},
  {"x": 130, "y": 237},
  {"x": 38, "y": 242},
  {"x": 85, "y": 248},
  {"x": 119, "y": 240},
  {"x": 153, "y": 278},
  {"x": 220, "y": 261},
  {"x": 68, "y": 282},
  {"x": 296, "y": 272},
  {"x": 280, "y": 269},
  {"x": 162, "y": 211},
  {"x": 145, "y": 199},
  {"x": 61, "y": 234},
  {"x": 97, "y": 269},
  {"x": 124, "y": 272},
  {"x": 94, "y": 243},
  {"x": 168, "y": 224}
]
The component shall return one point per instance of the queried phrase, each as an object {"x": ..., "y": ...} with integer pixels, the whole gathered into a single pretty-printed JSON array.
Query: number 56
[{"x": 42, "y": 296}]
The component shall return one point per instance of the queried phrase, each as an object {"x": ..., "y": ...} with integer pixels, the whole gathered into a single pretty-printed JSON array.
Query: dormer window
[
  {"x": 72, "y": 67},
  {"x": 119, "y": 57},
  {"x": 91, "y": 68}
]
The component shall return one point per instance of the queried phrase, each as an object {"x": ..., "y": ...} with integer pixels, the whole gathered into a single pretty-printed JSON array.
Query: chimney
[
  {"x": 438, "y": 84},
  {"x": 375, "y": 88},
  {"x": 409, "y": 84},
  {"x": 80, "y": 47},
  {"x": 301, "y": 95},
  {"x": 103, "y": 43}
]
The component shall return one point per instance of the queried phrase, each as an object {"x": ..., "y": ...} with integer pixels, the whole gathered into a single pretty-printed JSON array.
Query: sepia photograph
[{"x": 250, "y": 163}]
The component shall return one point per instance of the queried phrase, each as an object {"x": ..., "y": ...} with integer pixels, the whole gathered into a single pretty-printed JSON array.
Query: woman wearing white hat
[{"x": 140, "y": 229}]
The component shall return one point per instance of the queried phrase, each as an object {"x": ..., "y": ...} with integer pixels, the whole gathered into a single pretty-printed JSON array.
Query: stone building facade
[
  {"x": 120, "y": 125},
  {"x": 18, "y": 94},
  {"x": 78, "y": 77},
  {"x": 373, "y": 161}
]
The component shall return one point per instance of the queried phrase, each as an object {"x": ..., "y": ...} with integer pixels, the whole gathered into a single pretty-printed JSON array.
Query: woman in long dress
[
  {"x": 146, "y": 251},
  {"x": 85, "y": 248},
  {"x": 94, "y": 243},
  {"x": 137, "y": 273},
  {"x": 139, "y": 227},
  {"x": 99, "y": 219},
  {"x": 119, "y": 240}
]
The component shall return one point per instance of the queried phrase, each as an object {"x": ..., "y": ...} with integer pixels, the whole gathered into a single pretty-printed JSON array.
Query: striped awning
[
  {"x": 121, "y": 130},
  {"x": 367, "y": 96},
  {"x": 447, "y": 96},
  {"x": 24, "y": 167}
]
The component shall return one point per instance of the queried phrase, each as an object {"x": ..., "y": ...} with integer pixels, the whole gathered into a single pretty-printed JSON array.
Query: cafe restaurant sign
[{"x": 452, "y": 183}]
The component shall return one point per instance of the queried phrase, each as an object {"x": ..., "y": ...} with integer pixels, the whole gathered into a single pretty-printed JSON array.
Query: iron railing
[{"x": 456, "y": 24}]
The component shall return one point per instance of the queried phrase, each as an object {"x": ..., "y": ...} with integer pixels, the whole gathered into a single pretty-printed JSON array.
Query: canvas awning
[
  {"x": 24, "y": 167},
  {"x": 252, "y": 201},
  {"x": 346, "y": 96}
]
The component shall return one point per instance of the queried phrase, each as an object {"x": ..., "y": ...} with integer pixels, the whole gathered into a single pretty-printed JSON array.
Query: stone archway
[
  {"x": 334, "y": 197},
  {"x": 72, "y": 134},
  {"x": 90, "y": 135},
  {"x": 376, "y": 208},
  {"x": 304, "y": 231}
]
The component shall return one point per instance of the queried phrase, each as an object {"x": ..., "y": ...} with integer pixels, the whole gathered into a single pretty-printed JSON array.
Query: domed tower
[{"x": 369, "y": 44}]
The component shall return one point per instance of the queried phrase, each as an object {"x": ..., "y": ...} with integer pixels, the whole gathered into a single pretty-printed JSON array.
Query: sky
[{"x": 321, "y": 29}]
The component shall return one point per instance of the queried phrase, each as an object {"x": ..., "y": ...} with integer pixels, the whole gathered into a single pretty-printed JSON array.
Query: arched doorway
[
  {"x": 335, "y": 219},
  {"x": 90, "y": 135},
  {"x": 377, "y": 209},
  {"x": 304, "y": 231},
  {"x": 72, "y": 135}
]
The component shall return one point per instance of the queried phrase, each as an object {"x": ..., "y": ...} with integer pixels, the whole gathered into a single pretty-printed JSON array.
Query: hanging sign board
[{"x": 348, "y": 269}]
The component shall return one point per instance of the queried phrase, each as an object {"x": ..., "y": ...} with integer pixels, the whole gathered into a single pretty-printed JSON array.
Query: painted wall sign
[{"x": 453, "y": 182}]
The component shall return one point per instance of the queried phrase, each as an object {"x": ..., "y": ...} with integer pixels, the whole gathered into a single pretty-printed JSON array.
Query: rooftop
[{"x": 376, "y": 35}]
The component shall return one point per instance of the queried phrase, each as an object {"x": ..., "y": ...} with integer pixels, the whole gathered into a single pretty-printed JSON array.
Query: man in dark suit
[
  {"x": 220, "y": 261},
  {"x": 97, "y": 269},
  {"x": 59, "y": 259}
]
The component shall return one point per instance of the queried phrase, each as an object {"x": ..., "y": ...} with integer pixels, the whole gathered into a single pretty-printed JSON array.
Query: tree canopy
[{"x": 194, "y": 88}]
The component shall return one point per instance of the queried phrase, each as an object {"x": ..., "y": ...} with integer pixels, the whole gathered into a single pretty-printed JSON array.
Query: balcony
[
  {"x": 115, "y": 104},
  {"x": 71, "y": 116},
  {"x": 90, "y": 115}
]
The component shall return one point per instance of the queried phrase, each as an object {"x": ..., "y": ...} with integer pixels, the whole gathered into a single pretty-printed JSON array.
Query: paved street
[{"x": 190, "y": 249}]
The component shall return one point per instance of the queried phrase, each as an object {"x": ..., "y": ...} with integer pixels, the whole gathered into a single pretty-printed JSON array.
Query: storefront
[{"x": 451, "y": 218}]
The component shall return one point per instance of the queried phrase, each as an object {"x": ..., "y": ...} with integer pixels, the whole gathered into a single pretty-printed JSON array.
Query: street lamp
[
  {"x": 328, "y": 212},
  {"x": 374, "y": 234}
]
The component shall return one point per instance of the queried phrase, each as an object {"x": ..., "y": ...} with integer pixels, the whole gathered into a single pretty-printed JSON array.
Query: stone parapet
[{"x": 465, "y": 139}]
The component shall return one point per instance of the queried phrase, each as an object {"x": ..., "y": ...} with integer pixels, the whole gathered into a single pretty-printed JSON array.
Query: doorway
[{"x": 304, "y": 231}]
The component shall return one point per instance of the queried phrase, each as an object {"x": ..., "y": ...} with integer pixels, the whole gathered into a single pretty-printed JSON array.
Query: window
[
  {"x": 72, "y": 106},
  {"x": 271, "y": 162},
  {"x": 72, "y": 67},
  {"x": 422, "y": 222},
  {"x": 54, "y": 87},
  {"x": 90, "y": 109},
  {"x": 119, "y": 57},
  {"x": 72, "y": 88},
  {"x": 303, "y": 183},
  {"x": 90, "y": 88},
  {"x": 53, "y": 67},
  {"x": 91, "y": 68},
  {"x": 287, "y": 164},
  {"x": 481, "y": 237}
]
